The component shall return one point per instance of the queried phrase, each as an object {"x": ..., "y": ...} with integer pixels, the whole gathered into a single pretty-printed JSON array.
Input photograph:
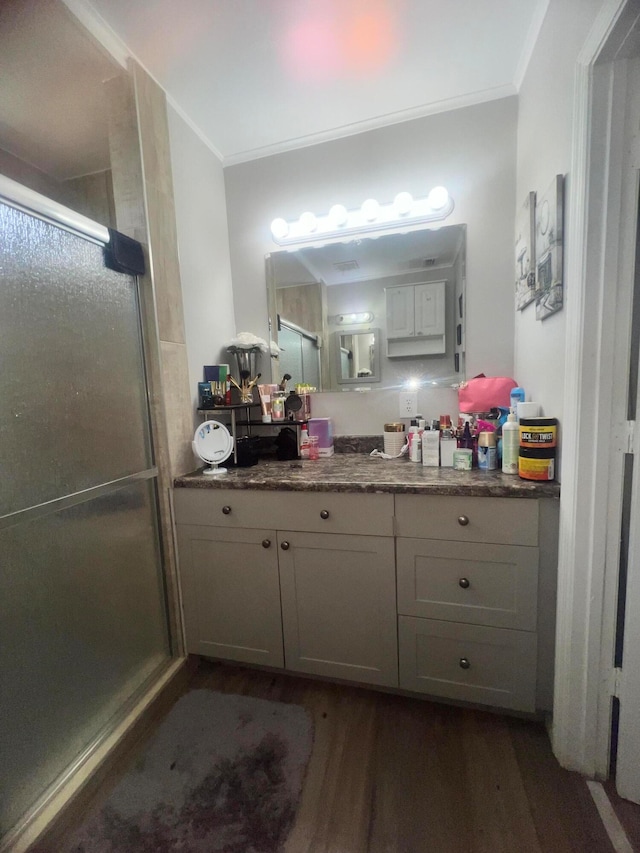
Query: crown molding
[
  {"x": 194, "y": 127},
  {"x": 468, "y": 100},
  {"x": 96, "y": 25},
  {"x": 108, "y": 39}
]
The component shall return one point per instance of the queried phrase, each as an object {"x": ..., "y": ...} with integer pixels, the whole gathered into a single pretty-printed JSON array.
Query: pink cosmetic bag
[{"x": 483, "y": 393}]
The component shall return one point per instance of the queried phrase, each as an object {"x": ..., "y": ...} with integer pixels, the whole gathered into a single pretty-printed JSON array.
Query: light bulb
[
  {"x": 403, "y": 203},
  {"x": 438, "y": 198},
  {"x": 279, "y": 228},
  {"x": 308, "y": 221},
  {"x": 370, "y": 209},
  {"x": 339, "y": 215}
]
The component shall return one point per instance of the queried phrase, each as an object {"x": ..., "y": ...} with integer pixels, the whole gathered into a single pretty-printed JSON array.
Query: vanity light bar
[
  {"x": 371, "y": 216},
  {"x": 354, "y": 319}
]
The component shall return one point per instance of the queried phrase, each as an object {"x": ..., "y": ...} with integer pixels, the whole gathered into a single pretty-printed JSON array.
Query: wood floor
[{"x": 402, "y": 775}]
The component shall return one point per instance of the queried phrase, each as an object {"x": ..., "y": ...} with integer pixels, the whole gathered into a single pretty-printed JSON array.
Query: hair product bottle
[{"x": 510, "y": 444}]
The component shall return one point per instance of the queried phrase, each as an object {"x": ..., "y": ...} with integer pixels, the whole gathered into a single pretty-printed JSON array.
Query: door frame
[{"x": 590, "y": 509}]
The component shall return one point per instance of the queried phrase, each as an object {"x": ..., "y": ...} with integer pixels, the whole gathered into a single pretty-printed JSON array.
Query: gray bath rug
[{"x": 223, "y": 773}]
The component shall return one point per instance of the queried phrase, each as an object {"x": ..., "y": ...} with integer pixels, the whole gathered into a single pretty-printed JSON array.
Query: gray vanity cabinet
[
  {"x": 317, "y": 568},
  {"x": 449, "y": 596},
  {"x": 468, "y": 575}
]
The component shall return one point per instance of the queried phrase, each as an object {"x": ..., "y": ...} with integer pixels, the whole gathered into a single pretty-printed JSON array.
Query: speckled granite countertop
[{"x": 358, "y": 472}]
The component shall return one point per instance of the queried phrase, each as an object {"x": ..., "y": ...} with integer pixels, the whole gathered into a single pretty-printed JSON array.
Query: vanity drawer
[
  {"x": 315, "y": 512},
  {"x": 472, "y": 663},
  {"x": 481, "y": 584},
  {"x": 505, "y": 521}
]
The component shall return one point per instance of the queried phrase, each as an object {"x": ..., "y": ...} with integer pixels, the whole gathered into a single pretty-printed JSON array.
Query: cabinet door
[
  {"x": 400, "y": 311},
  {"x": 231, "y": 593},
  {"x": 339, "y": 606},
  {"x": 429, "y": 310}
]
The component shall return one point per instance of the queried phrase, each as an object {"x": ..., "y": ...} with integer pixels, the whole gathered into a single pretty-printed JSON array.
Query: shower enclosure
[{"x": 83, "y": 612}]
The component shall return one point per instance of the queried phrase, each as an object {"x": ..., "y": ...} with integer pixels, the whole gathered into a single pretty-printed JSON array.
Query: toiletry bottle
[
  {"x": 510, "y": 445},
  {"x": 448, "y": 443},
  {"x": 304, "y": 443},
  {"x": 466, "y": 439},
  {"x": 517, "y": 396},
  {"x": 415, "y": 451},
  {"x": 487, "y": 457},
  {"x": 277, "y": 406},
  {"x": 431, "y": 448}
]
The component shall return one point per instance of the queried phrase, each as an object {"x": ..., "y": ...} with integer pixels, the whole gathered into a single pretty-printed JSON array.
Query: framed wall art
[
  {"x": 549, "y": 250},
  {"x": 525, "y": 277}
]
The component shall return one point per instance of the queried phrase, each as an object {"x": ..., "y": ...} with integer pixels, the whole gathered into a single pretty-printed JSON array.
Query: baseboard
[{"x": 41, "y": 829}]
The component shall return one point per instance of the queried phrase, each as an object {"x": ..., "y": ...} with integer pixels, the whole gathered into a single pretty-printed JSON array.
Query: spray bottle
[{"x": 510, "y": 444}]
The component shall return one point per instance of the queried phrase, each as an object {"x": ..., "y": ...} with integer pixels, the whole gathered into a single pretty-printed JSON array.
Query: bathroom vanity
[{"x": 432, "y": 581}]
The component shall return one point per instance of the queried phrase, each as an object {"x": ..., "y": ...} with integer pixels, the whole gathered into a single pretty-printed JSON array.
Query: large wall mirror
[{"x": 371, "y": 312}]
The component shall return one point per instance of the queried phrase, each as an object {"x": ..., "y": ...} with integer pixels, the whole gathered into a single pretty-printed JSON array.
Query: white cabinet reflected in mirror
[{"x": 371, "y": 312}]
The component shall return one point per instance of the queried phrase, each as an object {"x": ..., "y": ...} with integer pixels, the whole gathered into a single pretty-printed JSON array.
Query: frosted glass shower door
[{"x": 83, "y": 621}]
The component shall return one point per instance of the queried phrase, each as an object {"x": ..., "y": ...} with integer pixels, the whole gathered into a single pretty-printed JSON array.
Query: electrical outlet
[{"x": 408, "y": 404}]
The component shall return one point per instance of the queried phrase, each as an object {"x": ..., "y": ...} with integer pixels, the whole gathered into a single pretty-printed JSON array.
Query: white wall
[
  {"x": 203, "y": 246},
  {"x": 471, "y": 151},
  {"x": 545, "y": 126}
]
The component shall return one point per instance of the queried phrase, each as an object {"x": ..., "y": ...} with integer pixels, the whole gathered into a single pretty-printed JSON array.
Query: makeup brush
[
  {"x": 285, "y": 379},
  {"x": 253, "y": 382}
]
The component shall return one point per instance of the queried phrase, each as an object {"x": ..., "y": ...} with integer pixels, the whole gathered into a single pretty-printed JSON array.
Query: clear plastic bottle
[
  {"x": 510, "y": 444},
  {"x": 277, "y": 406}
]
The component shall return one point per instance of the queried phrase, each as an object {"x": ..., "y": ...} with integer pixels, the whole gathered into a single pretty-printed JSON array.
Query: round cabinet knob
[
  {"x": 324, "y": 513},
  {"x": 226, "y": 510},
  {"x": 464, "y": 583},
  {"x": 266, "y": 543},
  {"x": 463, "y": 520},
  {"x": 464, "y": 663},
  {"x": 285, "y": 545}
]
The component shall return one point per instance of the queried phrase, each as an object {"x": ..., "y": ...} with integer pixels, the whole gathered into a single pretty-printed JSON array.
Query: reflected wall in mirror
[{"x": 372, "y": 310}]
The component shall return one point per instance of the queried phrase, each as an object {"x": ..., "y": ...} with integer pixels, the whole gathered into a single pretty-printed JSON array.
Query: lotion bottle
[
  {"x": 415, "y": 448},
  {"x": 510, "y": 444}
]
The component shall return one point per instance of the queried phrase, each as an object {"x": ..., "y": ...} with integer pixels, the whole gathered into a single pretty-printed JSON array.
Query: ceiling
[
  {"x": 260, "y": 76},
  {"x": 254, "y": 77}
]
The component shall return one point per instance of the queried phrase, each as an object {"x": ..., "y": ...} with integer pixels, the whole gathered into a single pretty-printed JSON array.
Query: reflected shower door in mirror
[
  {"x": 300, "y": 354},
  {"x": 402, "y": 295}
]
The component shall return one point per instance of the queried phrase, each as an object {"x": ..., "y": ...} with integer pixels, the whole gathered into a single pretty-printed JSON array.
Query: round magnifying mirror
[{"x": 213, "y": 444}]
